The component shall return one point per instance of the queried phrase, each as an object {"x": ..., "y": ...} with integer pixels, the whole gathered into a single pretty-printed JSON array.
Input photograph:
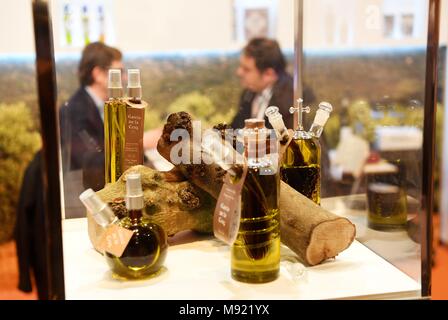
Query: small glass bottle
[
  {"x": 255, "y": 255},
  {"x": 146, "y": 251}
]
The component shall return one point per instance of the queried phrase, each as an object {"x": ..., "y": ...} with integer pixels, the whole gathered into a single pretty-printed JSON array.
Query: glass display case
[{"x": 374, "y": 61}]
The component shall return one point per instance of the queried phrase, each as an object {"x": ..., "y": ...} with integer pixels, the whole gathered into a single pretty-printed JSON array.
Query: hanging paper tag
[
  {"x": 115, "y": 240},
  {"x": 226, "y": 219}
]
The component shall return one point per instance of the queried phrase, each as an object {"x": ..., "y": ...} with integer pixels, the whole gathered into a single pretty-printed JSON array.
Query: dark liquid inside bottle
[
  {"x": 301, "y": 167},
  {"x": 256, "y": 251},
  {"x": 146, "y": 252}
]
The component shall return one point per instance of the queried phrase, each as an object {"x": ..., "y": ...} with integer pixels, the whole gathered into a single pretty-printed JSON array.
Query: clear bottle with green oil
[
  {"x": 114, "y": 128},
  {"x": 145, "y": 254},
  {"x": 255, "y": 255},
  {"x": 301, "y": 160}
]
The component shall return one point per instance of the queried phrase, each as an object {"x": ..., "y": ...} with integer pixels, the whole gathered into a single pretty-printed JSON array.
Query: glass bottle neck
[
  {"x": 135, "y": 214},
  {"x": 115, "y": 93},
  {"x": 301, "y": 135},
  {"x": 258, "y": 162},
  {"x": 135, "y": 206}
]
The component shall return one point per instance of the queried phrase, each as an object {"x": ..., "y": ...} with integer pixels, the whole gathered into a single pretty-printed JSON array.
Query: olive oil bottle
[
  {"x": 255, "y": 255},
  {"x": 301, "y": 166},
  {"x": 146, "y": 251},
  {"x": 123, "y": 125},
  {"x": 114, "y": 128},
  {"x": 387, "y": 198},
  {"x": 301, "y": 161}
]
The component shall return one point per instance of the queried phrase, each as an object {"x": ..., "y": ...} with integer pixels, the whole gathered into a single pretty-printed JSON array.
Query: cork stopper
[
  {"x": 255, "y": 136},
  {"x": 254, "y": 124}
]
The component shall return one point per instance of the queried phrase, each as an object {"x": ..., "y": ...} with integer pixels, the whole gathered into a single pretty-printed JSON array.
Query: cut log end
[{"x": 328, "y": 239}]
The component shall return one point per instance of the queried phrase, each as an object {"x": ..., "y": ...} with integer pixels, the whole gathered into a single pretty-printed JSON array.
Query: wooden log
[{"x": 312, "y": 232}]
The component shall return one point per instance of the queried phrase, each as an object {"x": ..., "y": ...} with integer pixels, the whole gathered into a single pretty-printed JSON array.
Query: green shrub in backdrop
[
  {"x": 201, "y": 107},
  {"x": 19, "y": 140}
]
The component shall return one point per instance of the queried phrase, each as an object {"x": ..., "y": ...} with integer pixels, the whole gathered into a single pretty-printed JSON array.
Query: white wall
[
  {"x": 172, "y": 25},
  {"x": 354, "y": 24},
  {"x": 16, "y": 27}
]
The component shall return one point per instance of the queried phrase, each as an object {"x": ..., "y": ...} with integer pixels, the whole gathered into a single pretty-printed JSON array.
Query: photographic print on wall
[
  {"x": 80, "y": 22},
  {"x": 255, "y": 18}
]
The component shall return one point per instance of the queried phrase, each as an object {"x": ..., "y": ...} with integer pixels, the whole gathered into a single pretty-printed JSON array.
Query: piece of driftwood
[
  {"x": 312, "y": 232},
  {"x": 208, "y": 177}
]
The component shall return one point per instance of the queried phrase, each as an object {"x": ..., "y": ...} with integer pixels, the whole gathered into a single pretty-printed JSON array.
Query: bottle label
[
  {"x": 226, "y": 219},
  {"x": 133, "y": 145},
  {"x": 114, "y": 240}
]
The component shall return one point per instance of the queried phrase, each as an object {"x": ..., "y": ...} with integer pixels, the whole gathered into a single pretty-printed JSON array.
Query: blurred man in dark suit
[
  {"x": 262, "y": 72},
  {"x": 81, "y": 124}
]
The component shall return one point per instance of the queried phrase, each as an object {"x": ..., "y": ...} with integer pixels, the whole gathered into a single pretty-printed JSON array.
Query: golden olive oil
[
  {"x": 114, "y": 138},
  {"x": 146, "y": 252},
  {"x": 255, "y": 255},
  {"x": 301, "y": 167},
  {"x": 123, "y": 125},
  {"x": 387, "y": 199}
]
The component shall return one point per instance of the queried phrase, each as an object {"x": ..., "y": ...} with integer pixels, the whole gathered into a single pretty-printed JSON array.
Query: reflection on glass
[
  {"x": 386, "y": 197},
  {"x": 373, "y": 139},
  {"x": 407, "y": 25},
  {"x": 389, "y": 26}
]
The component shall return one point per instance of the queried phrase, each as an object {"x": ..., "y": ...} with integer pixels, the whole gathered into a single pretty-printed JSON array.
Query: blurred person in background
[
  {"x": 263, "y": 76},
  {"x": 82, "y": 116}
]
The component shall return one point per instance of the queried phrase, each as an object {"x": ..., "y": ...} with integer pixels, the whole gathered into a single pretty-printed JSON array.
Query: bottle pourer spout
[
  {"x": 322, "y": 115},
  {"x": 276, "y": 120},
  {"x": 134, "y": 85},
  {"x": 114, "y": 84},
  {"x": 134, "y": 192},
  {"x": 298, "y": 116},
  {"x": 99, "y": 210}
]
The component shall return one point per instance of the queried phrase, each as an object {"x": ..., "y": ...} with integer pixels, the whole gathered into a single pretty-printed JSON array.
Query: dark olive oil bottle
[{"x": 146, "y": 251}]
